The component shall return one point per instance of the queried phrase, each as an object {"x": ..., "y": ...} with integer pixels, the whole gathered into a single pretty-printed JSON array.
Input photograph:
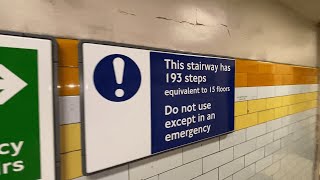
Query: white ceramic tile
[
  {"x": 285, "y": 141},
  {"x": 155, "y": 165},
  {"x": 118, "y": 173},
  {"x": 228, "y": 178},
  {"x": 244, "y": 148},
  {"x": 281, "y": 90},
  {"x": 293, "y": 127},
  {"x": 271, "y": 170},
  {"x": 246, "y": 93},
  {"x": 311, "y": 112},
  {"x": 289, "y": 161},
  {"x": 295, "y": 117},
  {"x": 303, "y": 123},
  {"x": 264, "y": 140},
  {"x": 69, "y": 109},
  {"x": 191, "y": 152},
  {"x": 187, "y": 171},
  {"x": 314, "y": 87},
  {"x": 312, "y": 119},
  {"x": 230, "y": 168},
  {"x": 199, "y": 150},
  {"x": 210, "y": 146},
  {"x": 263, "y": 163},
  {"x": 260, "y": 176},
  {"x": 285, "y": 121},
  {"x": 256, "y": 131},
  {"x": 304, "y": 88},
  {"x": 245, "y": 173},
  {"x": 215, "y": 160},
  {"x": 211, "y": 175},
  {"x": 303, "y": 115},
  {"x": 254, "y": 156},
  {"x": 250, "y": 93},
  {"x": 274, "y": 124},
  {"x": 272, "y": 147},
  {"x": 280, "y": 154},
  {"x": 280, "y": 133},
  {"x": 307, "y": 113},
  {"x": 293, "y": 89},
  {"x": 266, "y": 92},
  {"x": 301, "y": 88},
  {"x": 280, "y": 175},
  {"x": 232, "y": 139},
  {"x": 311, "y": 88},
  {"x": 297, "y": 135},
  {"x": 153, "y": 178}
]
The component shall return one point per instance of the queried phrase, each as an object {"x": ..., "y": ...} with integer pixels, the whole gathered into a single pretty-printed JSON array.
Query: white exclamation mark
[{"x": 118, "y": 66}]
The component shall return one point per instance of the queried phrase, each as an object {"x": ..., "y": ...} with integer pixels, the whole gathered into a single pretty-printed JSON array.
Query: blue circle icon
[{"x": 117, "y": 78}]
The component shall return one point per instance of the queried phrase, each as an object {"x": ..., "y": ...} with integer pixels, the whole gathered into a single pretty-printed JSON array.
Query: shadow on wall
[
  {"x": 317, "y": 170},
  {"x": 318, "y": 45}
]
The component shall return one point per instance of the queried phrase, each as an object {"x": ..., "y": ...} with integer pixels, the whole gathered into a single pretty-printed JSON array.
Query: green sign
[{"x": 19, "y": 115}]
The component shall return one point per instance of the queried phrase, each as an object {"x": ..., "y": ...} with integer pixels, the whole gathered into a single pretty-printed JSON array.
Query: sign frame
[
  {"x": 52, "y": 172},
  {"x": 139, "y": 47}
]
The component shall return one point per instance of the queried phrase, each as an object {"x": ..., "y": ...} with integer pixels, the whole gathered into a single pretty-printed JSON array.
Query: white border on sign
[{"x": 45, "y": 88}]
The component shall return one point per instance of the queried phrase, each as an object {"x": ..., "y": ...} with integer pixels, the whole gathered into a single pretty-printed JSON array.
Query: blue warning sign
[
  {"x": 139, "y": 102},
  {"x": 117, "y": 78}
]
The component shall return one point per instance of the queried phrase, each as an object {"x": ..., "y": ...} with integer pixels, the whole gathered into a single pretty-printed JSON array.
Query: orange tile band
[
  {"x": 251, "y": 73},
  {"x": 69, "y": 84},
  {"x": 68, "y": 52}
]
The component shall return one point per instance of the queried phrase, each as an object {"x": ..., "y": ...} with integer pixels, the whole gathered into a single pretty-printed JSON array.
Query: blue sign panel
[{"x": 192, "y": 98}]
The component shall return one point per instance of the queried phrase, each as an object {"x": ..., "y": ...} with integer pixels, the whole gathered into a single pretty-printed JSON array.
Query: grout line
[
  {"x": 74, "y": 123},
  {"x": 64, "y": 153},
  {"x": 202, "y": 164}
]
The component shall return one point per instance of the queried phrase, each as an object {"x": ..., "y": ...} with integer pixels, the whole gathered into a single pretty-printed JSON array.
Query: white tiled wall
[
  {"x": 280, "y": 149},
  {"x": 250, "y": 93},
  {"x": 187, "y": 171},
  {"x": 272, "y": 150},
  {"x": 69, "y": 109}
]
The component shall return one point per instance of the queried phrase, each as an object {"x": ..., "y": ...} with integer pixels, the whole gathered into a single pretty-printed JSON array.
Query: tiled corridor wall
[
  {"x": 275, "y": 103},
  {"x": 275, "y": 120}
]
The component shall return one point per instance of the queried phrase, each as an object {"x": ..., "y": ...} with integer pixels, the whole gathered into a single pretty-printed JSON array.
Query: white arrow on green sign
[{"x": 10, "y": 84}]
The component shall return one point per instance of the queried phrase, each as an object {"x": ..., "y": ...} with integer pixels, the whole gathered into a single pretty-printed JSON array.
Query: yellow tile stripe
[
  {"x": 263, "y": 110},
  {"x": 241, "y": 108},
  {"x": 70, "y": 137},
  {"x": 245, "y": 121},
  {"x": 71, "y": 165}
]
